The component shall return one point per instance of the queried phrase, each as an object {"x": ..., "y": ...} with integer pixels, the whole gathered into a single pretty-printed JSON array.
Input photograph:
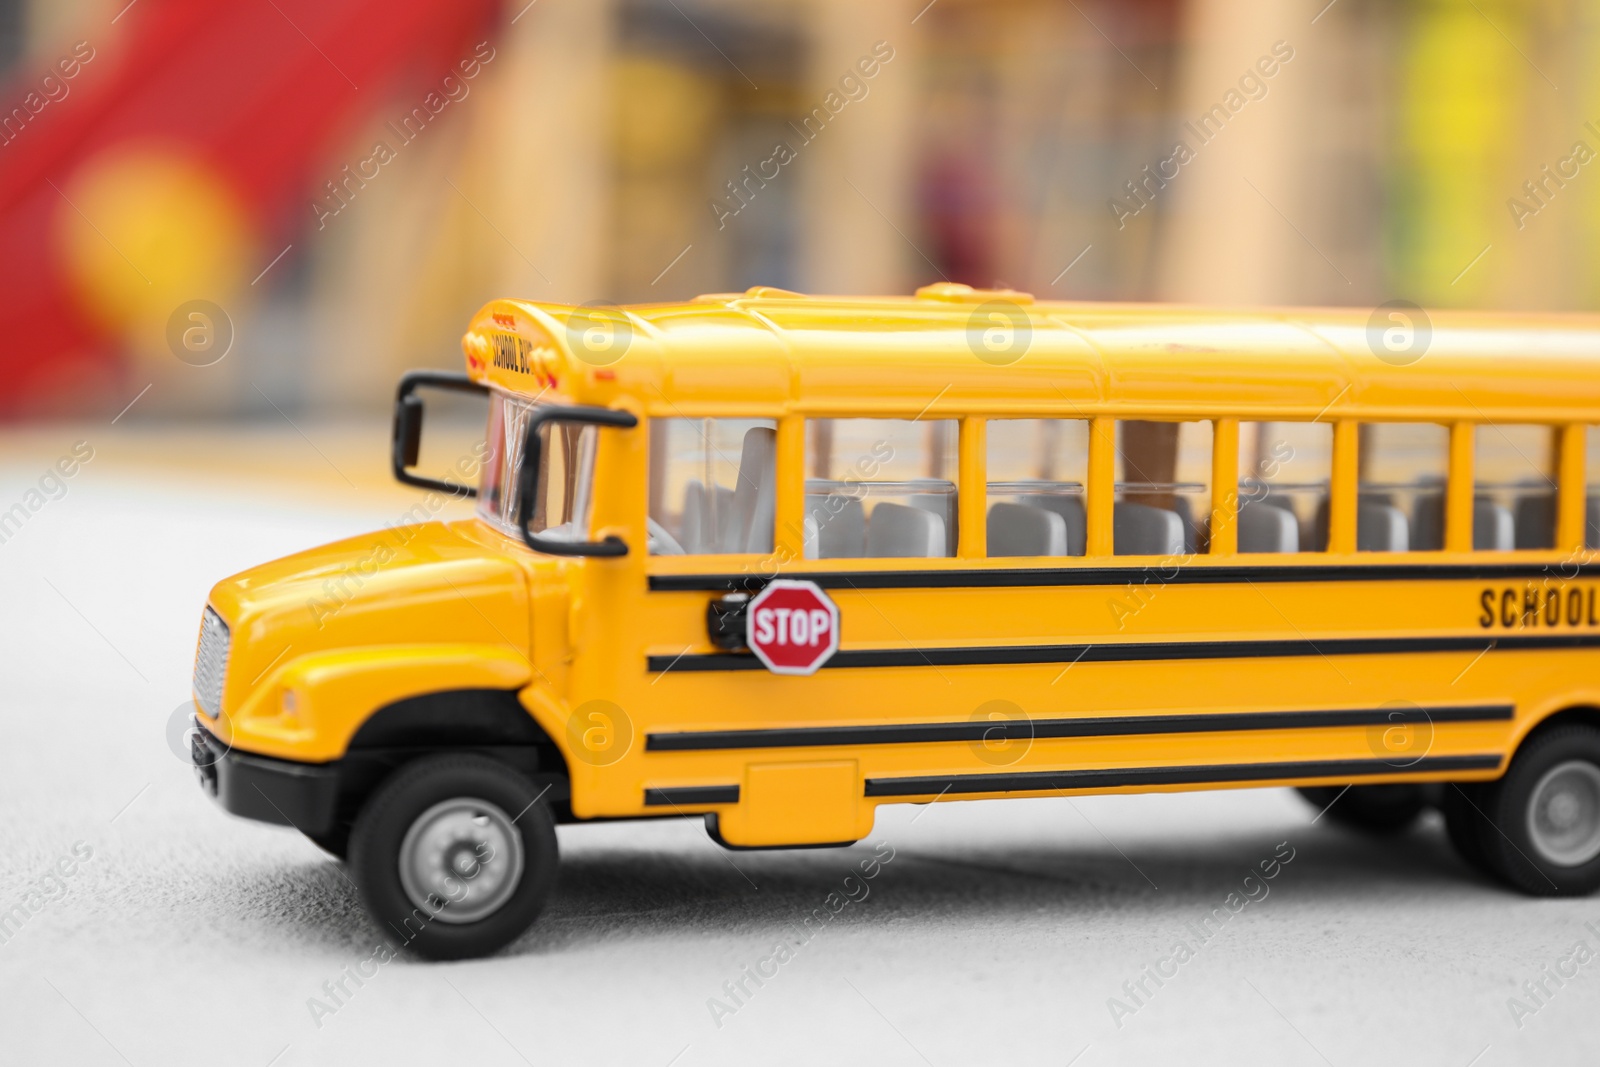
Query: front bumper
[{"x": 302, "y": 795}]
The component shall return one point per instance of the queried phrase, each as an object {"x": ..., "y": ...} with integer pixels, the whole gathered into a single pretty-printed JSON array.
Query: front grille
[{"x": 211, "y": 662}]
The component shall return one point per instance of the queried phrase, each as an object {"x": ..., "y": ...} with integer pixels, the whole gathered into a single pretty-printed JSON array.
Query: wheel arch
[
  {"x": 487, "y": 721},
  {"x": 469, "y": 716},
  {"x": 1581, "y": 714}
]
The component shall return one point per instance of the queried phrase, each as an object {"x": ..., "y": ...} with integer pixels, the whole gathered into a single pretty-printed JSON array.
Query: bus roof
[{"x": 951, "y": 350}]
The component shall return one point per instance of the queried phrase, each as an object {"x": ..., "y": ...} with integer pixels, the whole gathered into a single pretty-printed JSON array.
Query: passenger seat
[
  {"x": 1493, "y": 529},
  {"x": 1071, "y": 510},
  {"x": 1535, "y": 521},
  {"x": 755, "y": 495},
  {"x": 1427, "y": 519},
  {"x": 899, "y": 531},
  {"x": 1381, "y": 528},
  {"x": 835, "y": 534},
  {"x": 705, "y": 517},
  {"x": 1019, "y": 530},
  {"x": 942, "y": 502},
  {"x": 1143, "y": 530},
  {"x": 1265, "y": 528}
]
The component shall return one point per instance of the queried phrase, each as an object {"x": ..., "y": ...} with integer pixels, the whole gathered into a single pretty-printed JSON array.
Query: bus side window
[
  {"x": 1163, "y": 488},
  {"x": 1037, "y": 469},
  {"x": 1591, "y": 503},
  {"x": 1285, "y": 475},
  {"x": 713, "y": 486},
  {"x": 1403, "y": 469},
  {"x": 1514, "y": 487},
  {"x": 880, "y": 488}
]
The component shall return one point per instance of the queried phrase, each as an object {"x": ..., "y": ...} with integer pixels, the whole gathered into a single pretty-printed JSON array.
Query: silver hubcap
[
  {"x": 461, "y": 860},
  {"x": 1564, "y": 814}
]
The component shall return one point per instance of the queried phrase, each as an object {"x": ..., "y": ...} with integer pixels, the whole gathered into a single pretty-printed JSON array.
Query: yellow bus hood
[{"x": 408, "y": 585}]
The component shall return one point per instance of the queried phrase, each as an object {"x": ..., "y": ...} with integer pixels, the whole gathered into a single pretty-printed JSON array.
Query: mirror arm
[
  {"x": 406, "y": 445},
  {"x": 527, "y": 476}
]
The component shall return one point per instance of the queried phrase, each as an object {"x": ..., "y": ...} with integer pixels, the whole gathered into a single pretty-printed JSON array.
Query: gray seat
[
  {"x": 1071, "y": 510},
  {"x": 707, "y": 517},
  {"x": 1427, "y": 521},
  {"x": 1381, "y": 528},
  {"x": 1018, "y": 530},
  {"x": 840, "y": 526},
  {"x": 1142, "y": 530},
  {"x": 1492, "y": 525},
  {"x": 1313, "y": 532},
  {"x": 897, "y": 531},
  {"x": 1191, "y": 529},
  {"x": 755, "y": 494},
  {"x": 941, "y": 503},
  {"x": 1319, "y": 524},
  {"x": 1493, "y": 529},
  {"x": 691, "y": 527},
  {"x": 1535, "y": 521},
  {"x": 1267, "y": 529}
]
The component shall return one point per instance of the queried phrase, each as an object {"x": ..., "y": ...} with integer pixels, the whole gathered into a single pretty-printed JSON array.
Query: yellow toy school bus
[{"x": 776, "y": 560}]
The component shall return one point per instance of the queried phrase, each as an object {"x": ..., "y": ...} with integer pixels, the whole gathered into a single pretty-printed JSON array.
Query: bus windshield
[{"x": 563, "y": 487}]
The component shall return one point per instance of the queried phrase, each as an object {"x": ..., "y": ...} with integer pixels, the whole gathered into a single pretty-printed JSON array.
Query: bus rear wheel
[
  {"x": 1376, "y": 809},
  {"x": 1539, "y": 828},
  {"x": 456, "y": 854}
]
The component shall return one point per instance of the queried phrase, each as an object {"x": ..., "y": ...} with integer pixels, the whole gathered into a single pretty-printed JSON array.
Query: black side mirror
[
  {"x": 407, "y": 443},
  {"x": 527, "y": 479}
]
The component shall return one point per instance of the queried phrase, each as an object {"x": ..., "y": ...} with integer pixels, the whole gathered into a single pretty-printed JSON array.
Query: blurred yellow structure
[{"x": 632, "y": 150}]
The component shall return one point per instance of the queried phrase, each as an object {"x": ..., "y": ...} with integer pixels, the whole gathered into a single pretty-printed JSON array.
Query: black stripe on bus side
[
  {"x": 1035, "y": 781},
  {"x": 1099, "y": 726},
  {"x": 1166, "y": 574},
  {"x": 1123, "y": 652},
  {"x": 682, "y": 795}
]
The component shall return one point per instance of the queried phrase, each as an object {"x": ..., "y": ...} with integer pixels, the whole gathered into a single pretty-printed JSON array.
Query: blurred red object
[{"x": 245, "y": 99}]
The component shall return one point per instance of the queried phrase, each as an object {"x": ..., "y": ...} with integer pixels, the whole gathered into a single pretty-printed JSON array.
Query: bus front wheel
[
  {"x": 1539, "y": 827},
  {"x": 455, "y": 854}
]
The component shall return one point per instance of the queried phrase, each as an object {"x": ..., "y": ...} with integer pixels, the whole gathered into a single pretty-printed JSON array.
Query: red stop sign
[{"x": 792, "y": 627}]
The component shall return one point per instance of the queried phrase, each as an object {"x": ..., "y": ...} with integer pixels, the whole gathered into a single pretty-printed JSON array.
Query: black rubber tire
[
  {"x": 1503, "y": 835},
  {"x": 1374, "y": 809},
  {"x": 1465, "y": 824},
  {"x": 335, "y": 842},
  {"x": 398, "y": 802}
]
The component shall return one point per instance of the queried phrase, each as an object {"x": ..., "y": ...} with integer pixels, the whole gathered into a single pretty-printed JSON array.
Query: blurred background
[{"x": 348, "y": 180}]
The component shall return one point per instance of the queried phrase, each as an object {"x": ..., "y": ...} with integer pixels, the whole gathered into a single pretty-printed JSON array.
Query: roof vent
[
  {"x": 755, "y": 292},
  {"x": 956, "y": 293}
]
